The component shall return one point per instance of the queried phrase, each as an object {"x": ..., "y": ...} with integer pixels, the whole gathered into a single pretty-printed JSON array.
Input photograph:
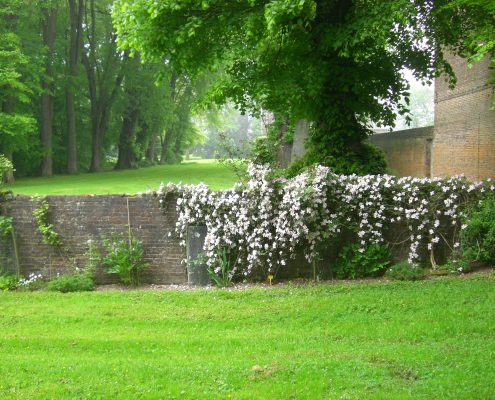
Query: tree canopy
[
  {"x": 336, "y": 63},
  {"x": 71, "y": 101}
]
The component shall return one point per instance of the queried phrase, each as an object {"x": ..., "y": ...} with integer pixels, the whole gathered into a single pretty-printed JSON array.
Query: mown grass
[
  {"x": 216, "y": 175},
  {"x": 423, "y": 340}
]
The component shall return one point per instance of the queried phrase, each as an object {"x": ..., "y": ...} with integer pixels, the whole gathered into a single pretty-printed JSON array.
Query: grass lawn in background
[
  {"x": 422, "y": 340},
  {"x": 216, "y": 175}
]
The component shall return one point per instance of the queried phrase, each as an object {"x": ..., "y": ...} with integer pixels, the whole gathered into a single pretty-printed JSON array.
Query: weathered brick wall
[
  {"x": 408, "y": 152},
  {"x": 81, "y": 218},
  {"x": 464, "y": 137},
  {"x": 6, "y": 259}
]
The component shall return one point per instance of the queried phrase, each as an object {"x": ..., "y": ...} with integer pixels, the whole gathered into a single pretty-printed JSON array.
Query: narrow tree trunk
[
  {"x": 74, "y": 50},
  {"x": 103, "y": 88},
  {"x": 165, "y": 147},
  {"x": 150, "y": 151},
  {"x": 127, "y": 158},
  {"x": 167, "y": 140},
  {"x": 96, "y": 150},
  {"x": 47, "y": 98},
  {"x": 71, "y": 134}
]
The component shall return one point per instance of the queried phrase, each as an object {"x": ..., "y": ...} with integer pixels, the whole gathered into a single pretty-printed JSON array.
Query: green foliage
[
  {"x": 337, "y": 63},
  {"x": 405, "y": 272},
  {"x": 8, "y": 281},
  {"x": 352, "y": 264},
  {"x": 457, "y": 264},
  {"x": 71, "y": 283},
  {"x": 477, "y": 28},
  {"x": 363, "y": 159},
  {"x": 223, "y": 272},
  {"x": 478, "y": 237},
  {"x": 5, "y": 226},
  {"x": 124, "y": 257},
  {"x": 16, "y": 125},
  {"x": 47, "y": 230},
  {"x": 263, "y": 151},
  {"x": 5, "y": 166}
]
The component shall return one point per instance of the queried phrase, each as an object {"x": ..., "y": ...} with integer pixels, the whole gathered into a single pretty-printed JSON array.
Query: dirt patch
[{"x": 295, "y": 282}]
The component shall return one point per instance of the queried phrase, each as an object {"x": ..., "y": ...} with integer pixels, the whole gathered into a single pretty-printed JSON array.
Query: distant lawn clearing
[
  {"x": 217, "y": 176},
  {"x": 426, "y": 340}
]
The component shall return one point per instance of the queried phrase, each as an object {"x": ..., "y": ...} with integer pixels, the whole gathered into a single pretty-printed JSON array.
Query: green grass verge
[
  {"x": 217, "y": 176},
  {"x": 399, "y": 340}
]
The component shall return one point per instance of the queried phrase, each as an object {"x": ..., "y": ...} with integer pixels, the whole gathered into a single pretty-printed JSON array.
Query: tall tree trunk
[
  {"x": 127, "y": 157},
  {"x": 100, "y": 71},
  {"x": 150, "y": 150},
  {"x": 96, "y": 150},
  {"x": 165, "y": 146},
  {"x": 167, "y": 140},
  {"x": 47, "y": 98},
  {"x": 75, "y": 15}
]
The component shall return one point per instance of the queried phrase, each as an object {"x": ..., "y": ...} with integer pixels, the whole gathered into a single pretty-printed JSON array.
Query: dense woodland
[{"x": 71, "y": 101}]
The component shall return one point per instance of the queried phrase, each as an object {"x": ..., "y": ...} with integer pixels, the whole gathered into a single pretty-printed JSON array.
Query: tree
[
  {"x": 148, "y": 107},
  {"x": 15, "y": 125},
  {"x": 104, "y": 70},
  {"x": 49, "y": 31},
  {"x": 336, "y": 63},
  {"x": 76, "y": 8},
  {"x": 180, "y": 133},
  {"x": 477, "y": 29}
]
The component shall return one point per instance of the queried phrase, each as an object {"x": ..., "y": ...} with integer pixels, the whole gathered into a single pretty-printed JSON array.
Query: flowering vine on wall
[{"x": 262, "y": 224}]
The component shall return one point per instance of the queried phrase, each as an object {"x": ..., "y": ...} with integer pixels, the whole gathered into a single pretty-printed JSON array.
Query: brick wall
[
  {"x": 407, "y": 152},
  {"x": 81, "y": 218},
  {"x": 464, "y": 137}
]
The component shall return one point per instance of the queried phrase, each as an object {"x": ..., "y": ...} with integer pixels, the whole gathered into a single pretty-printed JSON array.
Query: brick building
[{"x": 462, "y": 140}]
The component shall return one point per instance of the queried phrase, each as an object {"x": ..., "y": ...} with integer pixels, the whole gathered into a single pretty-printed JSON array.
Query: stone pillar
[
  {"x": 197, "y": 274},
  {"x": 464, "y": 135}
]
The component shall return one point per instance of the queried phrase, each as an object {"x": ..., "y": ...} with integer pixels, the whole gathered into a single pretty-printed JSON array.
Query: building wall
[
  {"x": 464, "y": 135},
  {"x": 78, "y": 219},
  {"x": 407, "y": 152}
]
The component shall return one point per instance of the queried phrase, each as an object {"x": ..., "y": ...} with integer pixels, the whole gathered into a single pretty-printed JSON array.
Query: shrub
[
  {"x": 124, "y": 256},
  {"x": 405, "y": 272},
  {"x": 478, "y": 235},
  {"x": 5, "y": 166},
  {"x": 354, "y": 262},
  {"x": 8, "y": 282},
  {"x": 32, "y": 282},
  {"x": 455, "y": 265},
  {"x": 222, "y": 273},
  {"x": 72, "y": 283},
  {"x": 264, "y": 150},
  {"x": 5, "y": 225},
  {"x": 268, "y": 219}
]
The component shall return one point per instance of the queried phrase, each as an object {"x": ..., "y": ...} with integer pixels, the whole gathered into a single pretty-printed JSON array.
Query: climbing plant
[{"x": 47, "y": 230}]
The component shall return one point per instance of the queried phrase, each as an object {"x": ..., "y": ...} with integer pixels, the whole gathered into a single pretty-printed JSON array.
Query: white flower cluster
[
  {"x": 264, "y": 224},
  {"x": 30, "y": 279}
]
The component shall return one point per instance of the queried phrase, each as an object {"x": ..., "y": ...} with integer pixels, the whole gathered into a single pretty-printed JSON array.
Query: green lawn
[
  {"x": 426, "y": 340},
  {"x": 217, "y": 176}
]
